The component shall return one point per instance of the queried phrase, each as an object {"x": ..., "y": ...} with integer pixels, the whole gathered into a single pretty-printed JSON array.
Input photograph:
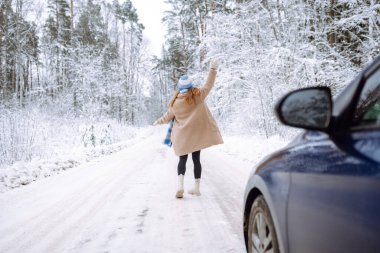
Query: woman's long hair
[{"x": 190, "y": 96}]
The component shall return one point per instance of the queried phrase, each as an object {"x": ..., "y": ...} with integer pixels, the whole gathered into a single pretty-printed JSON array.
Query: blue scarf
[{"x": 168, "y": 140}]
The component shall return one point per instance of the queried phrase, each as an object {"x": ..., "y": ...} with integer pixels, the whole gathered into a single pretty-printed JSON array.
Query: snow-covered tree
[{"x": 267, "y": 47}]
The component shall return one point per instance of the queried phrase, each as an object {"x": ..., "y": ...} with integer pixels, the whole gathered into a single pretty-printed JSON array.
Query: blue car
[{"x": 321, "y": 194}]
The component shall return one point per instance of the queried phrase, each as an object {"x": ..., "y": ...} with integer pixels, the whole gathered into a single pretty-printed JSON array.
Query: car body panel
[
  {"x": 330, "y": 191},
  {"x": 295, "y": 189}
]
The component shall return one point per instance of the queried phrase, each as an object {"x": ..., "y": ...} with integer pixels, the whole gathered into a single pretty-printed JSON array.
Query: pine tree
[
  {"x": 90, "y": 29},
  {"x": 57, "y": 41},
  {"x": 18, "y": 51}
]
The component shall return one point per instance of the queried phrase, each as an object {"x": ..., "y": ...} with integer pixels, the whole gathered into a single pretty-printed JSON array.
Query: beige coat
[{"x": 194, "y": 127}]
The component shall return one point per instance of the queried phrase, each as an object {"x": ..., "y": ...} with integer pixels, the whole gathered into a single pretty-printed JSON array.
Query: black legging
[{"x": 197, "y": 164}]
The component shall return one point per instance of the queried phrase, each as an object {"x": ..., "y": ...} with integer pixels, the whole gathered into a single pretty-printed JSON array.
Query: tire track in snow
[
  {"x": 44, "y": 224},
  {"x": 56, "y": 214},
  {"x": 226, "y": 181}
]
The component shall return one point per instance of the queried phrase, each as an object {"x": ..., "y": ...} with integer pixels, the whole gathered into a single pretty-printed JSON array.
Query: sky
[{"x": 150, "y": 13}]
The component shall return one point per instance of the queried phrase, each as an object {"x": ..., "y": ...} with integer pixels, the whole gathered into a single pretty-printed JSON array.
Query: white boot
[
  {"x": 180, "y": 190},
  {"x": 195, "y": 190}
]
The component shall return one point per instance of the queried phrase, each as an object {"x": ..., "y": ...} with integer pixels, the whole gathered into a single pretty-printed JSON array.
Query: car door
[{"x": 334, "y": 198}]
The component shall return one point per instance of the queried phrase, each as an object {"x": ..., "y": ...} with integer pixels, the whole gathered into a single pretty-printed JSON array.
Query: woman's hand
[{"x": 214, "y": 64}]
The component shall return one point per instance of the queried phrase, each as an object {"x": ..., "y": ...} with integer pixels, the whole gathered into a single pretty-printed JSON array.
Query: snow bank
[
  {"x": 23, "y": 173},
  {"x": 251, "y": 148}
]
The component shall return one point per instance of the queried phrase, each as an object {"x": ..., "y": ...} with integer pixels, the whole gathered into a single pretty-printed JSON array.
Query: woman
[{"x": 194, "y": 127}]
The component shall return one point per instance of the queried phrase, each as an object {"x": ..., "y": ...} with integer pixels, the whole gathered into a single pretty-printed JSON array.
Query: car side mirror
[{"x": 309, "y": 108}]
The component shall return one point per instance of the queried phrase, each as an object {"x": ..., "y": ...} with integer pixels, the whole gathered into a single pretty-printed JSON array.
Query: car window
[{"x": 367, "y": 112}]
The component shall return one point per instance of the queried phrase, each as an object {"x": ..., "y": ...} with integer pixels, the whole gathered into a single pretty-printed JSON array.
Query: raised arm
[{"x": 205, "y": 90}]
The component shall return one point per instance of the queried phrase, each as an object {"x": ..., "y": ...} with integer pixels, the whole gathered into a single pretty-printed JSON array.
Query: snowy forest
[{"x": 78, "y": 74}]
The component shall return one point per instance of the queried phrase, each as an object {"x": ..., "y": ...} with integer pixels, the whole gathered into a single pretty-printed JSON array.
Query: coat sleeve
[
  {"x": 168, "y": 116},
  {"x": 205, "y": 90}
]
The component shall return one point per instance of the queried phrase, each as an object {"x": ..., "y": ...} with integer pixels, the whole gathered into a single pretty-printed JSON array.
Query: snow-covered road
[{"x": 125, "y": 203}]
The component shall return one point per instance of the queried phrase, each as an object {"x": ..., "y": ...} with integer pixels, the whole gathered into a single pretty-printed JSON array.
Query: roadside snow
[
  {"x": 251, "y": 148},
  {"x": 248, "y": 148},
  {"x": 23, "y": 173}
]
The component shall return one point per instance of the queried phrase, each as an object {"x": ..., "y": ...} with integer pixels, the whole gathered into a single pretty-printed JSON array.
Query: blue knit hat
[{"x": 185, "y": 82}]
